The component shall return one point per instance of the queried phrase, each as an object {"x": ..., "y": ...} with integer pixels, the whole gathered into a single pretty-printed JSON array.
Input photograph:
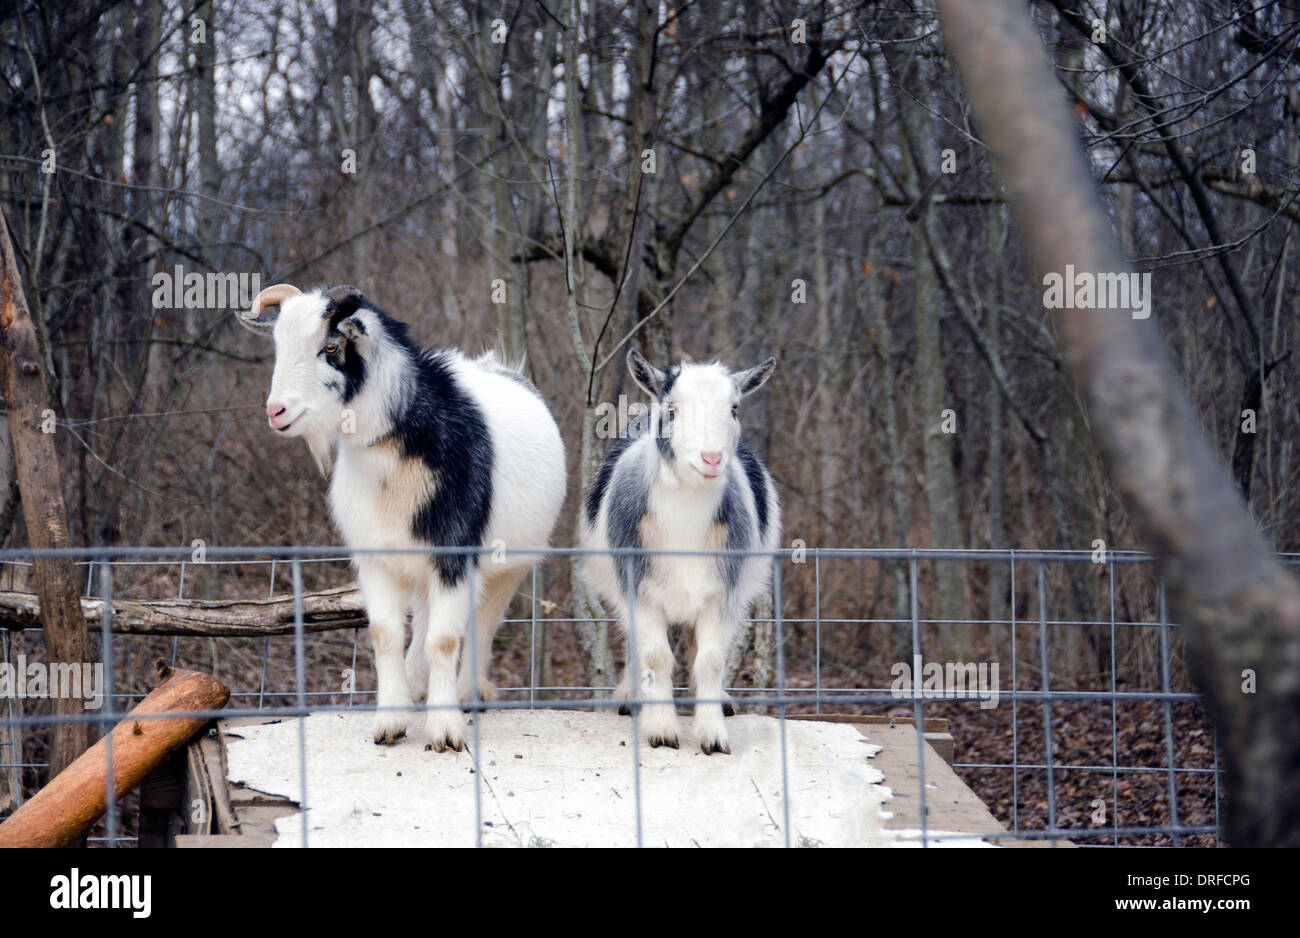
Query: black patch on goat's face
[
  {"x": 341, "y": 354},
  {"x": 344, "y": 330},
  {"x": 670, "y": 378},
  {"x": 667, "y": 409}
]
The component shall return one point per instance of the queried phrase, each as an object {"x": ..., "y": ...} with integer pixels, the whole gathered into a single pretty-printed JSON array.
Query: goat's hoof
[
  {"x": 487, "y": 692},
  {"x": 388, "y": 737},
  {"x": 446, "y": 730},
  {"x": 657, "y": 741},
  {"x": 444, "y": 743},
  {"x": 710, "y": 746},
  {"x": 728, "y": 711},
  {"x": 624, "y": 710}
]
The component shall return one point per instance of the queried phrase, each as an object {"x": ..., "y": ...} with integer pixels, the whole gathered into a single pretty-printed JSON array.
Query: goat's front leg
[
  {"x": 448, "y": 617},
  {"x": 728, "y": 708},
  {"x": 386, "y": 610},
  {"x": 711, "y": 640},
  {"x": 653, "y": 677}
]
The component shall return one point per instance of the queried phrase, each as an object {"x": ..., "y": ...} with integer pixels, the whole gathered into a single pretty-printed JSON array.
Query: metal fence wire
[{"x": 1095, "y": 736}]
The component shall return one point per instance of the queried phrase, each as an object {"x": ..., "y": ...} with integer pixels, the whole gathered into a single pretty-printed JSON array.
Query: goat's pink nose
[
  {"x": 274, "y": 409},
  {"x": 712, "y": 459}
]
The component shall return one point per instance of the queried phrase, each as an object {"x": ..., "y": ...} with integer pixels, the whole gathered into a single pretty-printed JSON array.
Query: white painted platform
[{"x": 565, "y": 778}]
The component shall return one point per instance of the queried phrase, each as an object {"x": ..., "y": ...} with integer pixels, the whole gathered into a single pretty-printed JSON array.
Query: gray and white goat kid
[
  {"x": 428, "y": 448},
  {"x": 688, "y": 484}
]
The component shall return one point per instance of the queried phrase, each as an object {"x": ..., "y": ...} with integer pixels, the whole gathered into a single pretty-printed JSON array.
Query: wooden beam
[{"x": 40, "y": 481}]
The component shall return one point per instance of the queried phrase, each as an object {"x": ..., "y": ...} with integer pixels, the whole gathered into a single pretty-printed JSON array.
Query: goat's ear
[
  {"x": 351, "y": 328},
  {"x": 747, "y": 382},
  {"x": 647, "y": 376},
  {"x": 255, "y": 324}
]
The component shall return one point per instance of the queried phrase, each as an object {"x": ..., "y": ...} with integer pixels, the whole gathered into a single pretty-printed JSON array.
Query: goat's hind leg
[
  {"x": 417, "y": 663},
  {"x": 498, "y": 589},
  {"x": 623, "y": 692}
]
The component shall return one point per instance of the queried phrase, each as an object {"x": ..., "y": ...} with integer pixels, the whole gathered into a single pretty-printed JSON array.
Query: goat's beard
[{"x": 322, "y": 451}]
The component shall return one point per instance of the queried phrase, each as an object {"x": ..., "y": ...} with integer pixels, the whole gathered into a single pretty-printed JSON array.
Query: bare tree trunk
[
  {"x": 449, "y": 236},
  {"x": 497, "y": 163},
  {"x": 593, "y": 637},
  {"x": 999, "y": 573},
  {"x": 828, "y": 414},
  {"x": 22, "y": 378},
  {"x": 895, "y": 457},
  {"x": 656, "y": 336},
  {"x": 932, "y": 391},
  {"x": 205, "y": 110},
  {"x": 1240, "y": 610}
]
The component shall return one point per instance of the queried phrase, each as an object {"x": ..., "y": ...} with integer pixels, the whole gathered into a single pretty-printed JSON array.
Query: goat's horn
[{"x": 273, "y": 295}]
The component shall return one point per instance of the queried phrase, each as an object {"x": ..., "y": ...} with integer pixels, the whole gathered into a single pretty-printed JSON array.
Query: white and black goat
[
  {"x": 688, "y": 484},
  {"x": 429, "y": 448}
]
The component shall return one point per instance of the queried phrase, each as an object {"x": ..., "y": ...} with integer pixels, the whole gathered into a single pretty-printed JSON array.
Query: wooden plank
[
  {"x": 950, "y": 803},
  {"x": 929, "y": 724}
]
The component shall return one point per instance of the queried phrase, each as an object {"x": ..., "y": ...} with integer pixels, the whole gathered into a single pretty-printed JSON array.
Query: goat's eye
[
  {"x": 331, "y": 349},
  {"x": 735, "y": 410}
]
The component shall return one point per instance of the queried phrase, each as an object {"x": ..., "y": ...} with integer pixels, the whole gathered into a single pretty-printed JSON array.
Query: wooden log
[
  {"x": 65, "y": 808},
  {"x": 40, "y": 482},
  {"x": 338, "y": 608}
]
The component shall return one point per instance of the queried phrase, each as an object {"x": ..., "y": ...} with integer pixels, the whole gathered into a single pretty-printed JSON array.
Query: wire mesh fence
[{"x": 1062, "y": 677}]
